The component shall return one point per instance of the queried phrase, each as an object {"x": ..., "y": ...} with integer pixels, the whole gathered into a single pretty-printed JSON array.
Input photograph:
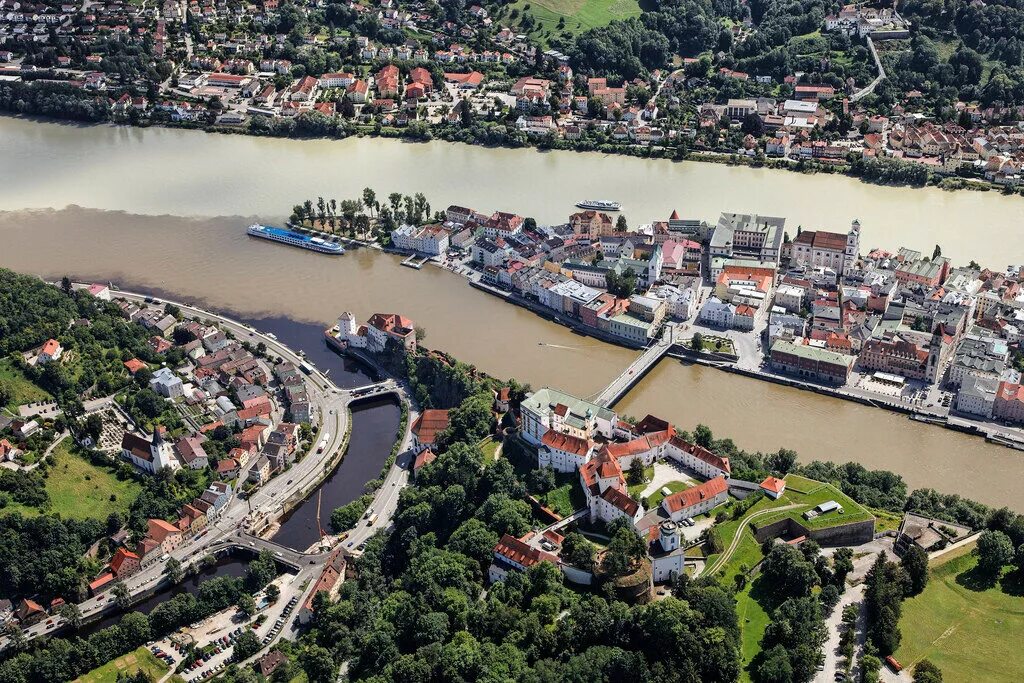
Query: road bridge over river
[{"x": 628, "y": 378}]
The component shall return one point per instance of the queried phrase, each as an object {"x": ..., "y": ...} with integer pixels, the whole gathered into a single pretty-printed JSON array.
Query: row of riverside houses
[
  {"x": 162, "y": 537},
  {"x": 574, "y": 435},
  {"x": 893, "y": 323},
  {"x": 566, "y": 268},
  {"x": 896, "y": 323}
]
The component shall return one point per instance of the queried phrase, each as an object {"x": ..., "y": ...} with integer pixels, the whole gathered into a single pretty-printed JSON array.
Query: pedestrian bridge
[{"x": 628, "y": 378}]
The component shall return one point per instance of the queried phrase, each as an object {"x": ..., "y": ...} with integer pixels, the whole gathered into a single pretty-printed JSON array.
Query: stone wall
[{"x": 854, "y": 533}]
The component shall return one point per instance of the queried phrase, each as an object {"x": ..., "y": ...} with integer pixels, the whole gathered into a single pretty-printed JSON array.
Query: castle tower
[
  {"x": 347, "y": 324},
  {"x": 669, "y": 535}
]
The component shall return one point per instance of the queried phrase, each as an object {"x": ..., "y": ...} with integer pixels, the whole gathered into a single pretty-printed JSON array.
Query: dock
[{"x": 415, "y": 261}]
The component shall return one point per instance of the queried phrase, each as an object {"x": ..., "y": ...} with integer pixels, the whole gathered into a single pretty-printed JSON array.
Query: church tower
[{"x": 852, "y": 252}]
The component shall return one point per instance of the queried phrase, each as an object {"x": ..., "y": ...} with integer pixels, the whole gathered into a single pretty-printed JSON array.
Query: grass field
[
  {"x": 22, "y": 390},
  {"x": 969, "y": 630},
  {"x": 489, "y": 447},
  {"x": 753, "y": 621},
  {"x": 131, "y": 663},
  {"x": 635, "y": 490},
  {"x": 808, "y": 493},
  {"x": 579, "y": 15},
  {"x": 567, "y": 497},
  {"x": 78, "y": 489}
]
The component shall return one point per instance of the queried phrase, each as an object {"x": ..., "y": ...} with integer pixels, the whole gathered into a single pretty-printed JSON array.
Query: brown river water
[{"x": 190, "y": 196}]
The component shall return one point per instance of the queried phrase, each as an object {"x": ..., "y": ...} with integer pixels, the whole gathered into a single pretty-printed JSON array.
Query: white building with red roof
[
  {"x": 697, "y": 500},
  {"x": 699, "y": 459},
  {"x": 51, "y": 350},
  {"x": 515, "y": 554},
  {"x": 605, "y": 488},
  {"x": 427, "y": 426},
  {"x": 564, "y": 452},
  {"x": 773, "y": 487}
]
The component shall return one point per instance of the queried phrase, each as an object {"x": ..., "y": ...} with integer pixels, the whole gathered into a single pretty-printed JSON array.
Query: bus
[
  {"x": 373, "y": 518},
  {"x": 323, "y": 442}
]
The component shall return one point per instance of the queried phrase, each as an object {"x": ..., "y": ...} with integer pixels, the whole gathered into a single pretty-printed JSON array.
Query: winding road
[
  {"x": 724, "y": 557},
  {"x": 238, "y": 517}
]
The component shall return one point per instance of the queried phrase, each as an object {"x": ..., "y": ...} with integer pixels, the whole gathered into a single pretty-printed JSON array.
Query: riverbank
[{"x": 445, "y": 133}]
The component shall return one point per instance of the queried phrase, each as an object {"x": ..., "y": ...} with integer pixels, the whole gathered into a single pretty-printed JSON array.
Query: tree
[
  {"x": 842, "y": 565},
  {"x": 246, "y": 604},
  {"x": 926, "y": 672},
  {"x": 636, "y": 474},
  {"x": 578, "y": 551},
  {"x": 752, "y": 125},
  {"x": 71, "y": 613},
  {"x": 246, "y": 645},
  {"x": 870, "y": 666},
  {"x": 915, "y": 564},
  {"x": 114, "y": 522},
  {"x": 369, "y": 198},
  {"x": 273, "y": 593},
  {"x": 620, "y": 223},
  {"x": 122, "y": 596},
  {"x": 697, "y": 342},
  {"x": 65, "y": 285},
  {"x": 541, "y": 480},
  {"x": 994, "y": 551},
  {"x": 473, "y": 539},
  {"x": 936, "y": 252},
  {"x": 774, "y": 667},
  {"x": 624, "y": 550},
  {"x": 318, "y": 664},
  {"x": 18, "y": 641},
  {"x": 173, "y": 570}
]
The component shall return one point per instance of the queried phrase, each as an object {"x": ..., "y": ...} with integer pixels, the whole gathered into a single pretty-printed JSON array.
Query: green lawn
[
  {"x": 969, "y": 630},
  {"x": 489, "y": 447},
  {"x": 22, "y": 390},
  {"x": 808, "y": 493},
  {"x": 753, "y": 621},
  {"x": 579, "y": 15},
  {"x": 635, "y": 490},
  {"x": 567, "y": 497},
  {"x": 78, "y": 489},
  {"x": 129, "y": 664}
]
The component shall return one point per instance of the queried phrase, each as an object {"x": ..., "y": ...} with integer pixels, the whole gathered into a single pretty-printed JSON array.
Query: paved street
[{"x": 267, "y": 503}]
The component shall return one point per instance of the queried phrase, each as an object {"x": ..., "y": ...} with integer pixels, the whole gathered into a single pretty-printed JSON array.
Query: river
[
  {"x": 226, "y": 566},
  {"x": 179, "y": 238},
  {"x": 190, "y": 173}
]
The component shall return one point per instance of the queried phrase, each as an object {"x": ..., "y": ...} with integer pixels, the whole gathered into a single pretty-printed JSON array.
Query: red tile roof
[
  {"x": 566, "y": 442},
  {"x": 621, "y": 501},
  {"x": 690, "y": 497},
  {"x": 158, "y": 530},
  {"x": 429, "y": 424},
  {"x": 134, "y": 365},
  {"x": 774, "y": 485},
  {"x": 517, "y": 551},
  {"x": 119, "y": 558},
  {"x": 51, "y": 347},
  {"x": 424, "y": 458},
  {"x": 103, "y": 580},
  {"x": 702, "y": 454}
]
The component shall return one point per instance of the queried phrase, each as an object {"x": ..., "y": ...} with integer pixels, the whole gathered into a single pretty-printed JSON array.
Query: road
[
  {"x": 833, "y": 624},
  {"x": 267, "y": 504},
  {"x": 724, "y": 557}
]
